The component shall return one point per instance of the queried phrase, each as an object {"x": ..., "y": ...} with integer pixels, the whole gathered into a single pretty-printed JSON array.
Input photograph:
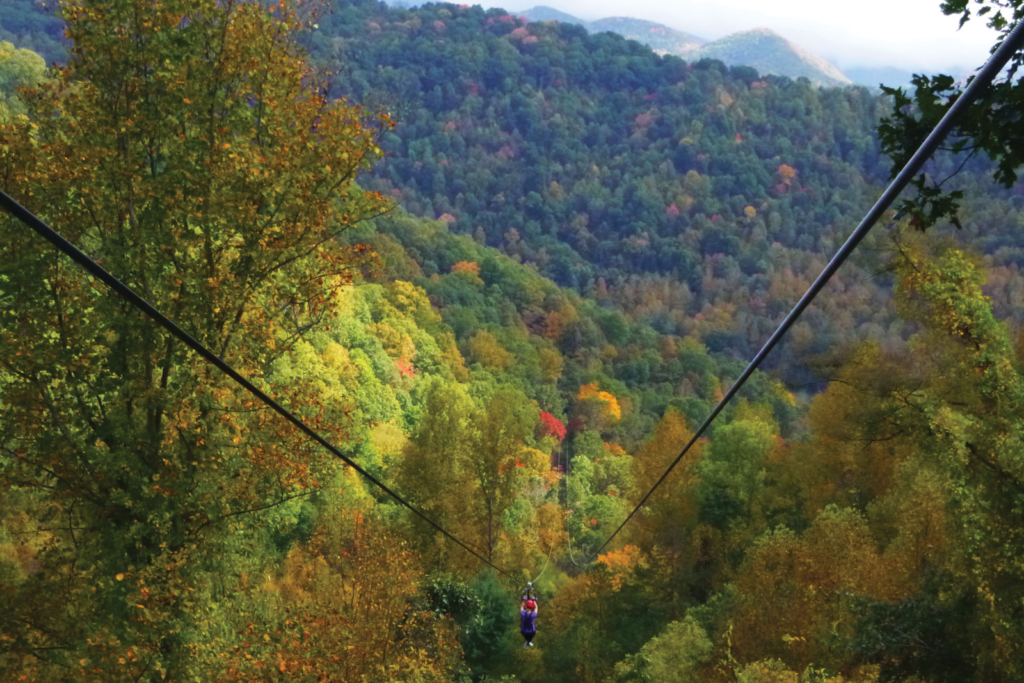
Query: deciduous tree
[{"x": 187, "y": 147}]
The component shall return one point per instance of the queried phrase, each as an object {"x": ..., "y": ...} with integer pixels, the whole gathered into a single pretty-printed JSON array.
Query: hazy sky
[{"x": 909, "y": 34}]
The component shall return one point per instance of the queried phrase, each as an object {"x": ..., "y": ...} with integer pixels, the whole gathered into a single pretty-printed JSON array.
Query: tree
[
  {"x": 551, "y": 364},
  {"x": 188, "y": 147},
  {"x": 608, "y": 405},
  {"x": 485, "y": 349},
  {"x": 434, "y": 471},
  {"x": 488, "y": 642},
  {"x": 466, "y": 466},
  {"x": 965, "y": 424},
  {"x": 342, "y": 606},
  {"x": 552, "y": 426},
  {"x": 990, "y": 127},
  {"x": 671, "y": 510},
  {"x": 792, "y": 590},
  {"x": 731, "y": 473},
  {"x": 675, "y": 655},
  {"x": 505, "y": 426},
  {"x": 18, "y": 69}
]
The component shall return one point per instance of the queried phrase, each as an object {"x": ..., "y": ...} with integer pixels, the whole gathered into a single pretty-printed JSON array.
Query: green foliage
[
  {"x": 452, "y": 597},
  {"x": 18, "y": 69},
  {"x": 923, "y": 635},
  {"x": 675, "y": 655},
  {"x": 544, "y": 141},
  {"x": 490, "y": 643},
  {"x": 989, "y": 127},
  {"x": 731, "y": 472},
  {"x": 34, "y": 26},
  {"x": 974, "y": 438}
]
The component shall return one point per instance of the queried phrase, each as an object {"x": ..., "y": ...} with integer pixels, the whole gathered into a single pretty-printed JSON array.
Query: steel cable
[{"x": 127, "y": 293}]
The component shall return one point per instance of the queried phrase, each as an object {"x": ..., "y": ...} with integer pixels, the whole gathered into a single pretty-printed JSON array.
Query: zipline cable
[
  {"x": 127, "y": 293},
  {"x": 999, "y": 59},
  {"x": 547, "y": 559}
]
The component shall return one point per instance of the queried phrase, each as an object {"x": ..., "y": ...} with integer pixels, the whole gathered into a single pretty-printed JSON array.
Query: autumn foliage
[
  {"x": 466, "y": 266},
  {"x": 786, "y": 174},
  {"x": 552, "y": 426},
  {"x": 611, "y": 404},
  {"x": 215, "y": 184},
  {"x": 158, "y": 523}
]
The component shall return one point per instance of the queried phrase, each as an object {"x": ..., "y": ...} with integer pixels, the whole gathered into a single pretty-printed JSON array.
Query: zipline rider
[{"x": 528, "y": 621}]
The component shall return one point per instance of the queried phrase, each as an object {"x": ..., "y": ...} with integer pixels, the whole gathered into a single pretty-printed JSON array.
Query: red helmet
[{"x": 531, "y": 604}]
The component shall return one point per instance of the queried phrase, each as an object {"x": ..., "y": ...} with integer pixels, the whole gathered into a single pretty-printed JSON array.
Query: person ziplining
[{"x": 528, "y": 621}]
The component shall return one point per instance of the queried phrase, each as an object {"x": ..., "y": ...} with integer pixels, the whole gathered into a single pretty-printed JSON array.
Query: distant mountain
[
  {"x": 770, "y": 53},
  {"x": 762, "y": 49},
  {"x": 542, "y": 13},
  {"x": 873, "y": 76},
  {"x": 658, "y": 37}
]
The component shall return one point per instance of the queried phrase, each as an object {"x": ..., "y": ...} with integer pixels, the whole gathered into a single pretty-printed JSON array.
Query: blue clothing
[{"x": 527, "y": 624}]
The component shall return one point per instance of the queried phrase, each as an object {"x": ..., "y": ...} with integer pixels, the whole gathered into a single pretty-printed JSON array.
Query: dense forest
[
  {"x": 620, "y": 173},
  {"x": 508, "y": 268}
]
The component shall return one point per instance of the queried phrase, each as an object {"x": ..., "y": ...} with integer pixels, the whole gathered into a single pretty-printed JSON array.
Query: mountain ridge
[
  {"x": 771, "y": 53},
  {"x": 658, "y": 37},
  {"x": 545, "y": 13},
  {"x": 760, "y": 48}
]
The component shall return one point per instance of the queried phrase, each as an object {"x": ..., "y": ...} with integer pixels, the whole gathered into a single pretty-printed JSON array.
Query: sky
[{"x": 906, "y": 34}]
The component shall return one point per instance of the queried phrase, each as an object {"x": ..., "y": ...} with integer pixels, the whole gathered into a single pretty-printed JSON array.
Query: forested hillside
[
  {"x": 32, "y": 26},
  {"x": 699, "y": 197},
  {"x": 589, "y": 140},
  {"x": 506, "y": 268}
]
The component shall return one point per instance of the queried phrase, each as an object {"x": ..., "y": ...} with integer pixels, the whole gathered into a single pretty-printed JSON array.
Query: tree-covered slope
[
  {"x": 699, "y": 197},
  {"x": 627, "y": 175},
  {"x": 611, "y": 169},
  {"x": 31, "y": 25}
]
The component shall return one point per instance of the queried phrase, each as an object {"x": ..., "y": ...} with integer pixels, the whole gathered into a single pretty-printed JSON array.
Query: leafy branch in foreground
[{"x": 992, "y": 126}]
